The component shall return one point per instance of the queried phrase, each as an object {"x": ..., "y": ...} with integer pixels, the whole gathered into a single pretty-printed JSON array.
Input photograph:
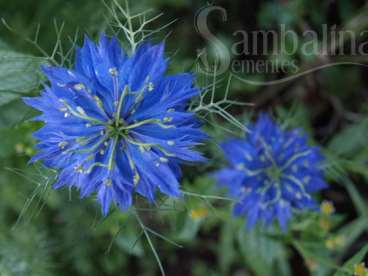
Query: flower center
[
  {"x": 274, "y": 172},
  {"x": 117, "y": 129}
]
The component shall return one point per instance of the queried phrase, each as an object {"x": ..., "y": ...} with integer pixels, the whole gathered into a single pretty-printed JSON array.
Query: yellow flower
[
  {"x": 330, "y": 244},
  {"x": 360, "y": 269},
  {"x": 335, "y": 242},
  {"x": 327, "y": 208},
  {"x": 199, "y": 213},
  {"x": 19, "y": 148},
  {"x": 340, "y": 240}
]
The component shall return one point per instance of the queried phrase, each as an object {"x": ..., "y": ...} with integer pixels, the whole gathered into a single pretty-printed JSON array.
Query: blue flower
[
  {"x": 117, "y": 124},
  {"x": 272, "y": 173}
]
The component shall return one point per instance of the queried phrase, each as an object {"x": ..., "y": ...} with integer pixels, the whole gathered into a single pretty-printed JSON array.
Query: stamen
[
  {"x": 241, "y": 167},
  {"x": 113, "y": 71},
  {"x": 294, "y": 157},
  {"x": 148, "y": 121},
  {"x": 168, "y": 119},
  {"x": 78, "y": 169},
  {"x": 71, "y": 73},
  {"x": 164, "y": 160},
  {"x": 150, "y": 86},
  {"x": 306, "y": 179},
  {"x": 136, "y": 178},
  {"x": 112, "y": 155},
  {"x": 79, "y": 86},
  {"x": 248, "y": 157},
  {"x": 81, "y": 110},
  {"x": 120, "y": 105},
  {"x": 108, "y": 182},
  {"x": 63, "y": 144},
  {"x": 98, "y": 101},
  {"x": 80, "y": 113},
  {"x": 97, "y": 164}
]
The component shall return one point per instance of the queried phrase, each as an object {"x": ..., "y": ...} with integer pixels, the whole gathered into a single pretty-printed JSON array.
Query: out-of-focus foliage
[{"x": 47, "y": 232}]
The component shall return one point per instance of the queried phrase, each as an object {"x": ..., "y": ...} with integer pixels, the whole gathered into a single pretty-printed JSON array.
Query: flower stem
[{"x": 146, "y": 234}]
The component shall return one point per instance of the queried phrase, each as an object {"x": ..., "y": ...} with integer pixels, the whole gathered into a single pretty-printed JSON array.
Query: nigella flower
[
  {"x": 116, "y": 124},
  {"x": 272, "y": 173}
]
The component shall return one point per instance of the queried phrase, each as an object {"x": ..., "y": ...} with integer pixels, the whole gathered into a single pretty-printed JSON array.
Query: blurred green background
[{"x": 47, "y": 232}]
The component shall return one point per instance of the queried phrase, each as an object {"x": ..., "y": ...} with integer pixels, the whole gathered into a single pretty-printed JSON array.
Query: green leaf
[
  {"x": 348, "y": 267},
  {"x": 353, "y": 230},
  {"x": 315, "y": 251},
  {"x": 129, "y": 243},
  {"x": 190, "y": 229},
  {"x": 356, "y": 197},
  {"x": 263, "y": 255},
  {"x": 226, "y": 250},
  {"x": 351, "y": 140},
  {"x": 14, "y": 113},
  {"x": 18, "y": 75}
]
